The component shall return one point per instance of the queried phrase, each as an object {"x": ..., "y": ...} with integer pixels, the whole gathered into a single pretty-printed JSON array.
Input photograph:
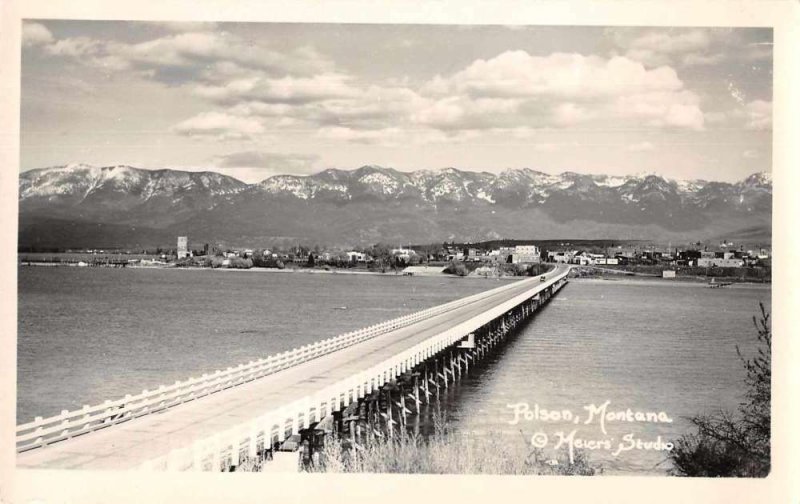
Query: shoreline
[
  {"x": 256, "y": 269},
  {"x": 335, "y": 271},
  {"x": 669, "y": 281}
]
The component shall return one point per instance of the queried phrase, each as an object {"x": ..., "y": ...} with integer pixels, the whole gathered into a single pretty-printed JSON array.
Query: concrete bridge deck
[{"x": 132, "y": 443}]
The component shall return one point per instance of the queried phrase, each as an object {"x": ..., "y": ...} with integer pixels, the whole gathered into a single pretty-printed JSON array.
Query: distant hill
[{"x": 120, "y": 206}]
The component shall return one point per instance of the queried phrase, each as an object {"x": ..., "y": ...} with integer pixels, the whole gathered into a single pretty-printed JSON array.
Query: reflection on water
[{"x": 648, "y": 346}]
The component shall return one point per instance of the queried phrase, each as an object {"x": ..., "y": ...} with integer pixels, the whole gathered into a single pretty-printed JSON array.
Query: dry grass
[{"x": 445, "y": 452}]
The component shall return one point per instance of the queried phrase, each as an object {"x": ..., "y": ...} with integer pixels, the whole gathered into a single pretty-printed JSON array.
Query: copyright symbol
[{"x": 539, "y": 440}]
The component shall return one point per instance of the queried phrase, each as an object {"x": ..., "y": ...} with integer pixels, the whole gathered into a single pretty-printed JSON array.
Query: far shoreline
[
  {"x": 256, "y": 269},
  {"x": 346, "y": 271}
]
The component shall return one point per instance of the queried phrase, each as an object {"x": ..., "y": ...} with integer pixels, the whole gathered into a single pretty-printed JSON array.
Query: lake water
[
  {"x": 89, "y": 334},
  {"x": 649, "y": 346}
]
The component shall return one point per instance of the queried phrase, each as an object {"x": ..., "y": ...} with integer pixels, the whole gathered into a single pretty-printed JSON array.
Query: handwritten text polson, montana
[{"x": 594, "y": 414}]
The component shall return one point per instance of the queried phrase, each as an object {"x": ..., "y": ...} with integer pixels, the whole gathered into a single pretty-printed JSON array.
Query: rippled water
[
  {"x": 645, "y": 345},
  {"x": 90, "y": 334},
  {"x": 86, "y": 335}
]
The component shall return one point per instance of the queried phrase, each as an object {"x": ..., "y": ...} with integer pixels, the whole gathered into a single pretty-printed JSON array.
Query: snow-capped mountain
[
  {"x": 373, "y": 203},
  {"x": 81, "y": 180}
]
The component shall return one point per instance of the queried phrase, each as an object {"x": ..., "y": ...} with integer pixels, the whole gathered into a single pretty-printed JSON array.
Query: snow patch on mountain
[
  {"x": 286, "y": 184},
  {"x": 386, "y": 184}
]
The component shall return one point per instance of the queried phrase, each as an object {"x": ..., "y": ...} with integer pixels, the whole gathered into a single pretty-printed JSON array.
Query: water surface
[
  {"x": 645, "y": 345},
  {"x": 90, "y": 334}
]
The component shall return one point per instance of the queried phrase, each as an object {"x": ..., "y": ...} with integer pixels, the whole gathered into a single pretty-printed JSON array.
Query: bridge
[{"x": 263, "y": 411}]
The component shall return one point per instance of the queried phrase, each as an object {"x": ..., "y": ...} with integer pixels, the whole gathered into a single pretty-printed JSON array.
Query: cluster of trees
[
  {"x": 457, "y": 268},
  {"x": 734, "y": 443},
  {"x": 233, "y": 262},
  {"x": 259, "y": 261},
  {"x": 384, "y": 259},
  {"x": 516, "y": 269}
]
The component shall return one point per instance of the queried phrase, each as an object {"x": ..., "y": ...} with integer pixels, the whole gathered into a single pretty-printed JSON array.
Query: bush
[
  {"x": 235, "y": 262},
  {"x": 241, "y": 263},
  {"x": 514, "y": 269},
  {"x": 260, "y": 261},
  {"x": 457, "y": 268},
  {"x": 734, "y": 444}
]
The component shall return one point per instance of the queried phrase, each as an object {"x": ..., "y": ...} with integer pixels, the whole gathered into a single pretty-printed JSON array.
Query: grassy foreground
[{"x": 445, "y": 452}]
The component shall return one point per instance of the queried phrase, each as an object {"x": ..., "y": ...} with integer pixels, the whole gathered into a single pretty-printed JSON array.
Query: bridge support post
[
  {"x": 403, "y": 409},
  {"x": 416, "y": 393},
  {"x": 427, "y": 389}
]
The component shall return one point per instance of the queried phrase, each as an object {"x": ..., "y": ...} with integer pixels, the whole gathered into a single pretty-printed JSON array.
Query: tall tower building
[{"x": 183, "y": 247}]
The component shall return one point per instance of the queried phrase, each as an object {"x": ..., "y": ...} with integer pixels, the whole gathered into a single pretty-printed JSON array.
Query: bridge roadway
[{"x": 129, "y": 444}]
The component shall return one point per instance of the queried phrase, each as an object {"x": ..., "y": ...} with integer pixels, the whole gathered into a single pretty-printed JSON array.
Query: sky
[{"x": 252, "y": 100}]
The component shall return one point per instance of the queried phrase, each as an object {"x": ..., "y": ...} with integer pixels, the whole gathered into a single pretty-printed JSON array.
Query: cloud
[
  {"x": 754, "y": 115},
  {"x": 656, "y": 48},
  {"x": 219, "y": 125},
  {"x": 75, "y": 47},
  {"x": 684, "y": 47},
  {"x": 463, "y": 112},
  {"x": 196, "y": 54},
  {"x": 675, "y": 42},
  {"x": 697, "y": 59},
  {"x": 570, "y": 114},
  {"x": 758, "y": 52},
  {"x": 35, "y": 34},
  {"x": 519, "y": 74},
  {"x": 373, "y": 107},
  {"x": 396, "y": 137},
  {"x": 672, "y": 110},
  {"x": 385, "y": 136},
  {"x": 287, "y": 89},
  {"x": 273, "y": 162},
  {"x": 758, "y": 115},
  {"x": 514, "y": 92},
  {"x": 184, "y": 26},
  {"x": 516, "y": 89},
  {"x": 253, "y": 89}
]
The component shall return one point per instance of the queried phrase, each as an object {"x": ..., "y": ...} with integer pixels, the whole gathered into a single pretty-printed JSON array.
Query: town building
[
  {"x": 356, "y": 257},
  {"x": 720, "y": 262},
  {"x": 403, "y": 253},
  {"x": 526, "y": 254},
  {"x": 183, "y": 247}
]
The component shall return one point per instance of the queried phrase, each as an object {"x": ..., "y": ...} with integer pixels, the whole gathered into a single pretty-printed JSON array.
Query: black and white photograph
[{"x": 410, "y": 248}]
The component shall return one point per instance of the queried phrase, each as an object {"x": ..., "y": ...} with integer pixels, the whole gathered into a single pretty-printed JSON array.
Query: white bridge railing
[
  {"x": 43, "y": 431},
  {"x": 271, "y": 426}
]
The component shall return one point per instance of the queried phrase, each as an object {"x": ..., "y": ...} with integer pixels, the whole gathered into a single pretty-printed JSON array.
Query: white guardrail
[
  {"x": 273, "y": 425},
  {"x": 43, "y": 431}
]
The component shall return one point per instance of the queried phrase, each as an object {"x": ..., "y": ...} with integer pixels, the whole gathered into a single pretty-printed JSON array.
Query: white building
[
  {"x": 183, "y": 247},
  {"x": 707, "y": 262},
  {"x": 403, "y": 253},
  {"x": 526, "y": 254},
  {"x": 354, "y": 256}
]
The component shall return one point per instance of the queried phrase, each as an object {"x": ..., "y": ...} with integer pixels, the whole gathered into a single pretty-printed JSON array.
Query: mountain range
[{"x": 79, "y": 205}]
